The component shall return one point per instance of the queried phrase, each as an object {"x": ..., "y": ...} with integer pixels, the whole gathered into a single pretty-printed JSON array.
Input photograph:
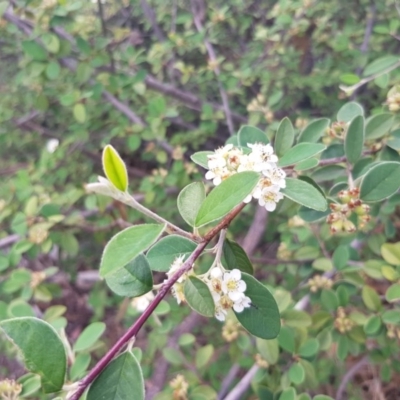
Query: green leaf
[
  {"x": 34, "y": 50},
  {"x": 354, "y": 140},
  {"x": 309, "y": 348},
  {"x": 250, "y": 134},
  {"x": 284, "y": 137},
  {"x": 371, "y": 298},
  {"x": 89, "y": 336},
  {"x": 226, "y": 196},
  {"x": 349, "y": 79},
  {"x": 236, "y": 257},
  {"x": 42, "y": 349},
  {"x": 306, "y": 164},
  {"x": 310, "y": 215},
  {"x": 378, "y": 125},
  {"x": 296, "y": 318},
  {"x": 301, "y": 152},
  {"x": 189, "y": 201},
  {"x": 203, "y": 356},
  {"x": 314, "y": 130},
  {"x": 262, "y": 318},
  {"x": 133, "y": 280},
  {"x": 286, "y": 339},
  {"x": 394, "y": 140},
  {"x": 393, "y": 292},
  {"x": 380, "y": 65},
  {"x": 305, "y": 194},
  {"x": 164, "y": 252},
  {"x": 201, "y": 158},
  {"x": 51, "y": 42},
  {"x": 391, "y": 317},
  {"x": 122, "y": 379},
  {"x": 115, "y": 168},
  {"x": 288, "y": 394},
  {"x": 198, "y": 296},
  {"x": 349, "y": 111},
  {"x": 341, "y": 256},
  {"x": 53, "y": 70},
  {"x": 380, "y": 182},
  {"x": 373, "y": 325},
  {"x": 322, "y": 397},
  {"x": 296, "y": 373},
  {"x": 269, "y": 350},
  {"x": 391, "y": 253},
  {"x": 128, "y": 244},
  {"x": 79, "y": 112}
]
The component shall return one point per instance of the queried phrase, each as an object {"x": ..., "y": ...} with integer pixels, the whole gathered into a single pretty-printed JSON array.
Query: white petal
[
  {"x": 210, "y": 175},
  {"x": 238, "y": 307},
  {"x": 236, "y": 274},
  {"x": 270, "y": 206},
  {"x": 241, "y": 287},
  {"x": 248, "y": 198},
  {"x": 236, "y": 296},
  {"x": 216, "y": 272}
]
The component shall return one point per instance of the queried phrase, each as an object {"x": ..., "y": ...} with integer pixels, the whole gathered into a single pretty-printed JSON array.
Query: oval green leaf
[
  {"x": 189, "y": 201},
  {"x": 262, "y": 318},
  {"x": 226, "y": 196},
  {"x": 133, "y": 280},
  {"x": 201, "y": 158},
  {"x": 349, "y": 111},
  {"x": 79, "y": 112},
  {"x": 305, "y": 194},
  {"x": 250, "y": 134},
  {"x": 300, "y": 152},
  {"x": 354, "y": 140},
  {"x": 89, "y": 336},
  {"x": 284, "y": 137},
  {"x": 380, "y": 182},
  {"x": 115, "y": 168},
  {"x": 380, "y": 65},
  {"x": 121, "y": 379},
  {"x": 236, "y": 257},
  {"x": 378, "y": 125},
  {"x": 393, "y": 292},
  {"x": 128, "y": 244},
  {"x": 42, "y": 349},
  {"x": 314, "y": 130},
  {"x": 198, "y": 296},
  {"x": 164, "y": 252}
]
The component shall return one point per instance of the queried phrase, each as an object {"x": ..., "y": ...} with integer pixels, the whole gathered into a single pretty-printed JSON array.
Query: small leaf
[
  {"x": 380, "y": 182},
  {"x": 164, "y": 252},
  {"x": 305, "y": 194},
  {"x": 34, "y": 50},
  {"x": 310, "y": 215},
  {"x": 393, "y": 292},
  {"x": 354, "y": 140},
  {"x": 306, "y": 164},
  {"x": 121, "y": 379},
  {"x": 42, "y": 349},
  {"x": 262, "y": 318},
  {"x": 236, "y": 257},
  {"x": 189, "y": 201},
  {"x": 198, "y": 296},
  {"x": 309, "y": 348},
  {"x": 201, "y": 158},
  {"x": 128, "y": 244},
  {"x": 371, "y": 298},
  {"x": 380, "y": 65},
  {"x": 115, "y": 168},
  {"x": 296, "y": 318},
  {"x": 314, "y": 130},
  {"x": 391, "y": 253},
  {"x": 378, "y": 125},
  {"x": 133, "y": 280},
  {"x": 79, "y": 112},
  {"x": 284, "y": 137},
  {"x": 89, "y": 336},
  {"x": 53, "y": 70},
  {"x": 349, "y": 111},
  {"x": 203, "y": 356},
  {"x": 269, "y": 350},
  {"x": 288, "y": 394},
  {"x": 250, "y": 134},
  {"x": 296, "y": 373},
  {"x": 301, "y": 152},
  {"x": 226, "y": 196}
]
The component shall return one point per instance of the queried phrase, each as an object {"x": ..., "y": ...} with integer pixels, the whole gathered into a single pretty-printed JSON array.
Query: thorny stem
[{"x": 135, "y": 328}]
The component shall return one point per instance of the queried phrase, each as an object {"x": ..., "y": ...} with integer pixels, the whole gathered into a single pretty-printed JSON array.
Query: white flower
[
  {"x": 261, "y": 155},
  {"x": 276, "y": 175},
  {"x": 177, "y": 289},
  {"x": 220, "y": 313},
  {"x": 232, "y": 285},
  {"x": 218, "y": 175},
  {"x": 142, "y": 302},
  {"x": 51, "y": 145},
  {"x": 269, "y": 196},
  {"x": 242, "y": 303},
  {"x": 246, "y": 163}
]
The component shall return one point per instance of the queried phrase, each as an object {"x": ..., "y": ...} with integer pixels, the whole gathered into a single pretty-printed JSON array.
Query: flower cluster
[
  {"x": 228, "y": 291},
  {"x": 342, "y": 322},
  {"x": 393, "y": 99},
  {"x": 339, "y": 218},
  {"x": 319, "y": 282},
  {"x": 177, "y": 289},
  {"x": 230, "y": 160}
]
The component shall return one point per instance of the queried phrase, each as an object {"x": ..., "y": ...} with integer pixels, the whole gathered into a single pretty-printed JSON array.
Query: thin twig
[
  {"x": 243, "y": 385},
  {"x": 104, "y": 30},
  {"x": 215, "y": 67},
  {"x": 151, "y": 16},
  {"x": 349, "y": 375}
]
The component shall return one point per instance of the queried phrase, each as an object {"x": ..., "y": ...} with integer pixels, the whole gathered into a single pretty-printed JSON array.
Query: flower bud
[{"x": 348, "y": 226}]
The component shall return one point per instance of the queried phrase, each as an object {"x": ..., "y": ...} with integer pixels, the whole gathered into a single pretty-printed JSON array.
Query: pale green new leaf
[
  {"x": 284, "y": 137},
  {"x": 189, "y": 201},
  {"x": 198, "y": 296},
  {"x": 300, "y": 152},
  {"x": 354, "y": 140},
  {"x": 115, "y": 168}
]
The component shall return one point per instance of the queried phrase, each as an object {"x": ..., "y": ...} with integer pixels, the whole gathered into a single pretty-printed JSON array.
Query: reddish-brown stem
[{"x": 134, "y": 329}]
